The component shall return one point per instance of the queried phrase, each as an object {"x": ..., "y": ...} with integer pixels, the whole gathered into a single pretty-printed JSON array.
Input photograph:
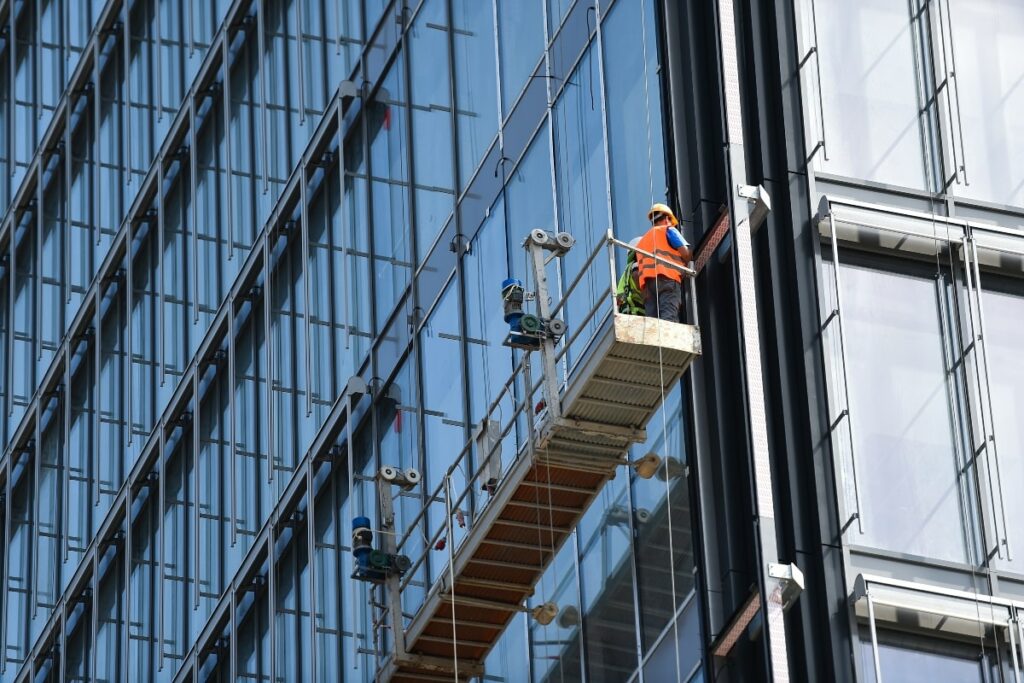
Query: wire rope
[
  {"x": 668, "y": 486},
  {"x": 451, "y": 575}
]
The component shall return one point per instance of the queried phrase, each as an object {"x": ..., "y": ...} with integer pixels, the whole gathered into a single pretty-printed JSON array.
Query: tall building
[{"x": 253, "y": 252}]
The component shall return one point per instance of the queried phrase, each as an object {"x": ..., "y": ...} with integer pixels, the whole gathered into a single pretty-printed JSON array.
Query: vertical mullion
[
  {"x": 95, "y": 611},
  {"x": 96, "y": 144},
  {"x": 599, "y": 39},
  {"x": 97, "y": 380},
  {"x": 195, "y": 481},
  {"x": 299, "y": 40},
  {"x": 304, "y": 218},
  {"x": 311, "y": 542},
  {"x": 344, "y": 230},
  {"x": 337, "y": 17},
  {"x": 126, "y": 647},
  {"x": 191, "y": 28},
  {"x": 12, "y": 263},
  {"x": 161, "y": 475},
  {"x": 272, "y": 595},
  {"x": 267, "y": 303},
  {"x": 66, "y": 27},
  {"x": 339, "y": 579},
  {"x": 352, "y": 509},
  {"x": 7, "y": 560},
  {"x": 38, "y": 289},
  {"x": 227, "y": 142},
  {"x": 193, "y": 155},
  {"x": 232, "y": 454},
  {"x": 127, "y": 92},
  {"x": 261, "y": 39},
  {"x": 63, "y": 653},
  {"x": 233, "y": 637},
  {"x": 159, "y": 62},
  {"x": 36, "y": 451},
  {"x": 38, "y": 70},
  {"x": 160, "y": 264},
  {"x": 129, "y": 345},
  {"x": 976, "y": 332},
  {"x": 990, "y": 436},
  {"x": 66, "y": 473},
  {"x": 67, "y": 200},
  {"x": 12, "y": 58}
]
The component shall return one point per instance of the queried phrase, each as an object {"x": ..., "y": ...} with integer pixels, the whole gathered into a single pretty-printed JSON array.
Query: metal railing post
[
  {"x": 552, "y": 397},
  {"x": 874, "y": 639}
]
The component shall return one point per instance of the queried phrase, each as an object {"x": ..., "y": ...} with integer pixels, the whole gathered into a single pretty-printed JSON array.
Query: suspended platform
[{"x": 616, "y": 388}]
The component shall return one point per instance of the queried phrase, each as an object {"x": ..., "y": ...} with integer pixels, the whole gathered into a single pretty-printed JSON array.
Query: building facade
[{"x": 253, "y": 251}]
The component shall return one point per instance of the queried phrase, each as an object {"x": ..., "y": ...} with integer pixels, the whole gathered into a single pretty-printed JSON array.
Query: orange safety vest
[{"x": 655, "y": 241}]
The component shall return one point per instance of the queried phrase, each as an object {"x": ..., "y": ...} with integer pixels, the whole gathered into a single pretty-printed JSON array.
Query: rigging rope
[
  {"x": 451, "y": 574},
  {"x": 668, "y": 491},
  {"x": 661, "y": 365}
]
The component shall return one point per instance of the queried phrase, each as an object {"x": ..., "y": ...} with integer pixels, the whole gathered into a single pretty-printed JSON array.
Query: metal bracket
[
  {"x": 348, "y": 91},
  {"x": 761, "y": 201},
  {"x": 791, "y": 581}
]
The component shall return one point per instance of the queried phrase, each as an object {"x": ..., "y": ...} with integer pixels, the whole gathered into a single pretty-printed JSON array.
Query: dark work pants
[{"x": 662, "y": 298}]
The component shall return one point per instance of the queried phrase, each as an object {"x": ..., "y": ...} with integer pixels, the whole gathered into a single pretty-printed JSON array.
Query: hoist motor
[
  {"x": 512, "y": 297},
  {"x": 526, "y": 329},
  {"x": 371, "y": 564}
]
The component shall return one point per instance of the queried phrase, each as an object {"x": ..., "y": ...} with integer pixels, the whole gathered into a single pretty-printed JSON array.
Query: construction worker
[
  {"x": 628, "y": 295},
  {"x": 660, "y": 283}
]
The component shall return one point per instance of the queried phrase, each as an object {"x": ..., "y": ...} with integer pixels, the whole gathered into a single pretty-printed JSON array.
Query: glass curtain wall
[
  {"x": 291, "y": 240},
  {"x": 919, "y": 95}
]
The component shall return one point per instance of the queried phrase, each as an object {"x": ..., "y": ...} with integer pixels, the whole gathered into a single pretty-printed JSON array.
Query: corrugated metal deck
[{"x": 612, "y": 393}]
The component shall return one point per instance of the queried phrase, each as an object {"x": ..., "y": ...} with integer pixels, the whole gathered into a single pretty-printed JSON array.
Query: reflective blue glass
[
  {"x": 635, "y": 137},
  {"x": 521, "y": 36},
  {"x": 476, "y": 83}
]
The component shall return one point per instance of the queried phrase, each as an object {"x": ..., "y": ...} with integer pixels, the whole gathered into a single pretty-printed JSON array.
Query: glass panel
[
  {"x": 635, "y": 136},
  {"x": 900, "y": 407},
  {"x": 430, "y": 89},
  {"x": 389, "y": 205},
  {"x": 876, "y": 124},
  {"x": 476, "y": 89},
  {"x": 663, "y": 664},
  {"x": 606, "y": 580},
  {"x": 661, "y": 518},
  {"x": 582, "y": 196},
  {"x": 556, "y": 647},
  {"x": 521, "y": 40},
  {"x": 529, "y": 201},
  {"x": 987, "y": 35},
  {"x": 444, "y": 425},
  {"x": 907, "y": 665}
]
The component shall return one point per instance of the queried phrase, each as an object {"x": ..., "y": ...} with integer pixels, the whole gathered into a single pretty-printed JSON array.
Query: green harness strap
[{"x": 628, "y": 296}]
